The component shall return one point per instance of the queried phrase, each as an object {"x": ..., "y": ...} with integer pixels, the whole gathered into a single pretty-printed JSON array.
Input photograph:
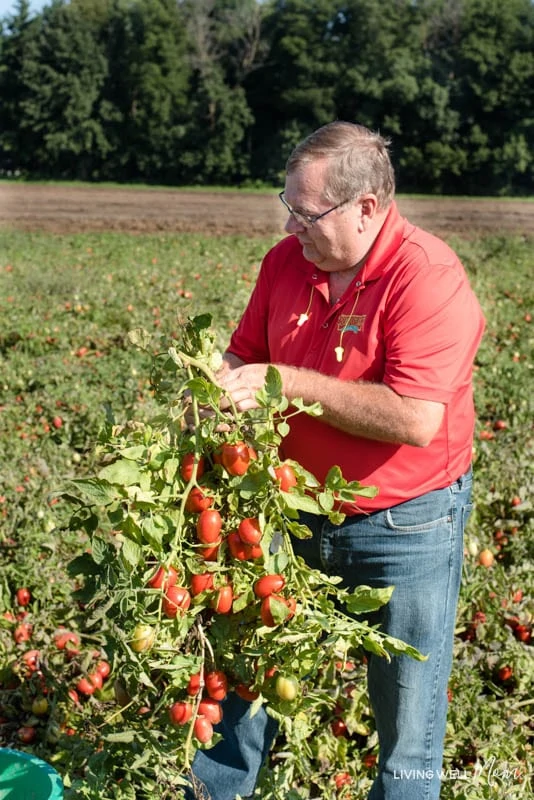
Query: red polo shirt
[{"x": 415, "y": 326}]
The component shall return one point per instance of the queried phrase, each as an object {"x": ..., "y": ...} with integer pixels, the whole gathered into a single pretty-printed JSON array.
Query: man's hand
[{"x": 242, "y": 382}]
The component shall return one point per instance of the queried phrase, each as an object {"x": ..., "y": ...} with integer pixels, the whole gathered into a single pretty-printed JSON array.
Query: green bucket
[{"x": 25, "y": 777}]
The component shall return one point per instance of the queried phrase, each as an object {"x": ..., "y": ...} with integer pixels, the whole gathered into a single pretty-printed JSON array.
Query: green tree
[
  {"x": 59, "y": 104},
  {"x": 146, "y": 90},
  {"x": 293, "y": 90},
  {"x": 19, "y": 51},
  {"x": 223, "y": 42},
  {"x": 493, "y": 83}
]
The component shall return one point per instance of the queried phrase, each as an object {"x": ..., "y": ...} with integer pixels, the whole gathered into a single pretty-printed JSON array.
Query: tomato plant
[{"x": 189, "y": 579}]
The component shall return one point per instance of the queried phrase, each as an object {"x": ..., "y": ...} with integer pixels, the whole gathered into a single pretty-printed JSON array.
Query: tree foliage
[{"x": 219, "y": 91}]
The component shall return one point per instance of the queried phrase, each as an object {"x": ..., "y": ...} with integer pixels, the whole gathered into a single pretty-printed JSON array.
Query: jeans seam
[{"x": 439, "y": 659}]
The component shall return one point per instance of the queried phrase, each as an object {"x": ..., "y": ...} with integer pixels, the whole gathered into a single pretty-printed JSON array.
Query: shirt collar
[{"x": 386, "y": 244}]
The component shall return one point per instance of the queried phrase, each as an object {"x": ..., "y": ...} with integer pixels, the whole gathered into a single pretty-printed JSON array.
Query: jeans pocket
[{"x": 425, "y": 513}]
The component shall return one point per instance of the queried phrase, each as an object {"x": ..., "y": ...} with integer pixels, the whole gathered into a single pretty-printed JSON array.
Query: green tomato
[
  {"x": 287, "y": 687},
  {"x": 143, "y": 638}
]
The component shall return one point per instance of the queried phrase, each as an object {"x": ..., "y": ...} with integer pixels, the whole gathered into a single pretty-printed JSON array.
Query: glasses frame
[{"x": 308, "y": 220}]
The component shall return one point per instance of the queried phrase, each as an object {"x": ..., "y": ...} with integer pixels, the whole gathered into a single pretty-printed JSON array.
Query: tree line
[{"x": 187, "y": 92}]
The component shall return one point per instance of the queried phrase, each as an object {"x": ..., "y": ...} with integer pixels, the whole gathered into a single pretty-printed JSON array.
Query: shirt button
[
  {"x": 358, "y": 283},
  {"x": 314, "y": 276},
  {"x": 325, "y": 325}
]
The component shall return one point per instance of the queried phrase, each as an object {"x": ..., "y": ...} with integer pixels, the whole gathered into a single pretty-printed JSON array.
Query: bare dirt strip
[{"x": 73, "y": 209}]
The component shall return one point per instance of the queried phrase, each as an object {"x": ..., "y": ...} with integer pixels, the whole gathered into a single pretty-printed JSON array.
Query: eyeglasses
[{"x": 307, "y": 220}]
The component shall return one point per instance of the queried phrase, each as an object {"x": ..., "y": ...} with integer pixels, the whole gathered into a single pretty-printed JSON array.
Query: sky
[{"x": 8, "y": 6}]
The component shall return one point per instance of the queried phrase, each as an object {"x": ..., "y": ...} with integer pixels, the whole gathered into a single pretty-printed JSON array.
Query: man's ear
[
  {"x": 369, "y": 205},
  {"x": 368, "y": 208}
]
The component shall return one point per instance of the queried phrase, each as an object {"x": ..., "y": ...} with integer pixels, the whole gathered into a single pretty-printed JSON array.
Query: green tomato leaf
[
  {"x": 373, "y": 644},
  {"x": 127, "y": 737},
  {"x": 313, "y": 409},
  {"x": 364, "y": 599},
  {"x": 140, "y": 338},
  {"x": 99, "y": 549},
  {"x": 398, "y": 647},
  {"x": 283, "y": 429},
  {"x": 122, "y": 472},
  {"x": 131, "y": 553},
  {"x": 300, "y": 502},
  {"x": 99, "y": 492}
]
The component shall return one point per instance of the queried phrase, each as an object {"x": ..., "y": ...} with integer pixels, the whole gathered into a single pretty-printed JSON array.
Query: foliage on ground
[{"x": 68, "y": 368}]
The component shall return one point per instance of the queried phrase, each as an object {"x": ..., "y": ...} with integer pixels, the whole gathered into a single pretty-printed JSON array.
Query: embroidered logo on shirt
[{"x": 351, "y": 322}]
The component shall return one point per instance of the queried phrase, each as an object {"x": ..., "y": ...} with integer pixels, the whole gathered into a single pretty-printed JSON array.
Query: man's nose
[{"x": 293, "y": 225}]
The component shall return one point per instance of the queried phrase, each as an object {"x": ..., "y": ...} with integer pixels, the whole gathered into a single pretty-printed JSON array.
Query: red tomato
[
  {"x": 163, "y": 578},
  {"x": 209, "y": 525},
  {"x": 31, "y": 659},
  {"x": 180, "y": 713},
  {"x": 210, "y": 552},
  {"x": 193, "y": 687},
  {"x": 342, "y": 779},
  {"x": 211, "y": 709},
  {"x": 249, "y": 531},
  {"x": 67, "y": 640},
  {"x": 235, "y": 458},
  {"x": 188, "y": 463},
  {"x": 216, "y": 684},
  {"x": 285, "y": 475},
  {"x": 197, "y": 500},
  {"x": 176, "y": 598},
  {"x": 237, "y": 547},
  {"x": 203, "y": 729},
  {"x": 505, "y": 673},
  {"x": 523, "y": 633},
  {"x": 73, "y": 694},
  {"x": 339, "y": 728},
  {"x": 22, "y": 632},
  {"x": 241, "y": 550},
  {"x": 246, "y": 693},
  {"x": 292, "y": 606},
  {"x": 89, "y": 684},
  {"x": 266, "y": 612},
  {"x": 26, "y": 734},
  {"x": 201, "y": 583},
  {"x": 223, "y": 599},
  {"x": 269, "y": 584},
  {"x": 103, "y": 669},
  {"x": 23, "y": 596},
  {"x": 253, "y": 551}
]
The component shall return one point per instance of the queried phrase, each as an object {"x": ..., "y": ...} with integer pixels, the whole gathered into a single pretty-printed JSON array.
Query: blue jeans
[{"x": 417, "y": 547}]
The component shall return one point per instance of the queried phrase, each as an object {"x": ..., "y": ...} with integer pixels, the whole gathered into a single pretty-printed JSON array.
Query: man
[{"x": 375, "y": 319}]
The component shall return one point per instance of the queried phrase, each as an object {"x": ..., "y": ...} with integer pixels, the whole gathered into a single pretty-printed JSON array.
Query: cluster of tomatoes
[
  {"x": 208, "y": 710},
  {"x": 26, "y": 679},
  {"x": 179, "y": 587},
  {"x": 243, "y": 543}
]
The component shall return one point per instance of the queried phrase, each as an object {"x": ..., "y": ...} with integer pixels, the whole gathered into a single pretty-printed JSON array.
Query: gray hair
[{"x": 359, "y": 161}]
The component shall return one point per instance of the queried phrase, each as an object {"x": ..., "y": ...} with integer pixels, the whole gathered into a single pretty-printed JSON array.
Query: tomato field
[{"x": 146, "y": 565}]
